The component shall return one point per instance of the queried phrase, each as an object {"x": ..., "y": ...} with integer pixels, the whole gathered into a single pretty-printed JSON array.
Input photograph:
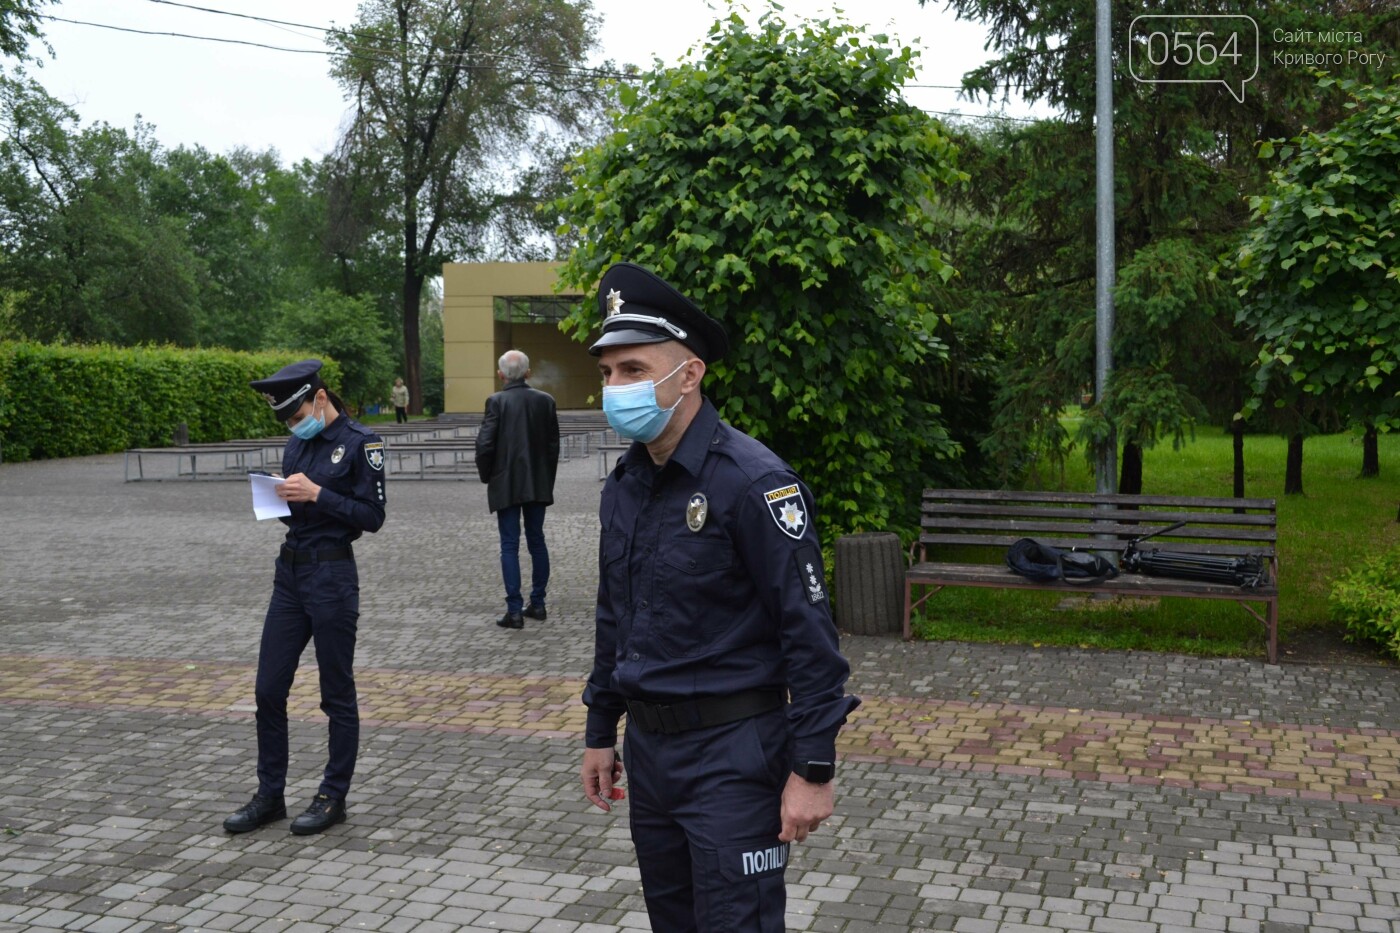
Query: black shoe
[
  {"x": 257, "y": 812},
  {"x": 511, "y": 620},
  {"x": 535, "y": 612},
  {"x": 323, "y": 813}
]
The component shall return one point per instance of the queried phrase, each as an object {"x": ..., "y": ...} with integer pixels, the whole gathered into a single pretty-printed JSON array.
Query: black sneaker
[
  {"x": 323, "y": 813},
  {"x": 511, "y": 620},
  {"x": 535, "y": 612},
  {"x": 257, "y": 812}
]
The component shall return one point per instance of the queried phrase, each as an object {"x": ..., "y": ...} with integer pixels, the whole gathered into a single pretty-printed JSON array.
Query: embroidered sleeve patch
[
  {"x": 374, "y": 453},
  {"x": 788, "y": 510},
  {"x": 809, "y": 572}
]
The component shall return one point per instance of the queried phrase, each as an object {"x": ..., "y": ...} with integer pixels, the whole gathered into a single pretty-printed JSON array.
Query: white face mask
[{"x": 633, "y": 412}]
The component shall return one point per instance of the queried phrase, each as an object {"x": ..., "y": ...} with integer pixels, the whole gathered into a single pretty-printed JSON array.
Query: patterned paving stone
[
  {"x": 1236, "y": 755},
  {"x": 984, "y": 787}
]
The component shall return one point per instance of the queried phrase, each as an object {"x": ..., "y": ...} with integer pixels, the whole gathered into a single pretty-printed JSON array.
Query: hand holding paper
[{"x": 266, "y": 504}]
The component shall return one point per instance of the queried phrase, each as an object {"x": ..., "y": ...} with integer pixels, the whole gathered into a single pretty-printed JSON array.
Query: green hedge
[{"x": 71, "y": 401}]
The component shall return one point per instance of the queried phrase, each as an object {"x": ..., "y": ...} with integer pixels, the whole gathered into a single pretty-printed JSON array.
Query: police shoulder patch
[
  {"x": 374, "y": 453},
  {"x": 788, "y": 509}
]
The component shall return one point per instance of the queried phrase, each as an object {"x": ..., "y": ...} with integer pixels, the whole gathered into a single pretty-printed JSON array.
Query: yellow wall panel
[{"x": 474, "y": 340}]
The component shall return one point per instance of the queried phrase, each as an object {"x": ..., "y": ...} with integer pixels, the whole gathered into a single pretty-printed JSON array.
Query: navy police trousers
[
  {"x": 705, "y": 810},
  {"x": 320, "y": 602}
]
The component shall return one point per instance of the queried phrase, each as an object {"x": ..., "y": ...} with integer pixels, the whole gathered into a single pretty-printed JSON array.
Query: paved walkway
[{"x": 983, "y": 788}]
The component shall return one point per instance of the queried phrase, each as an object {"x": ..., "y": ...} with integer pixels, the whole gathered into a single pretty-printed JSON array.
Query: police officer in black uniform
[
  {"x": 334, "y": 469},
  {"x": 714, "y": 633}
]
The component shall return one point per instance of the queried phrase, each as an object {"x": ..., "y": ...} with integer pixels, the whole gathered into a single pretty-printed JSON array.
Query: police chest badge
[
  {"x": 696, "y": 511},
  {"x": 374, "y": 453},
  {"x": 788, "y": 510},
  {"x": 337, "y": 454}
]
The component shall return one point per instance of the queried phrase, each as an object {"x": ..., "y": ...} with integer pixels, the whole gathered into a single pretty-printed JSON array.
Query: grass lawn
[
  {"x": 387, "y": 417},
  {"x": 1339, "y": 521}
]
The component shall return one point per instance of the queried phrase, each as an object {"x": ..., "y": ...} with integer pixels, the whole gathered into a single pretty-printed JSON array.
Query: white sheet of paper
[{"x": 265, "y": 501}]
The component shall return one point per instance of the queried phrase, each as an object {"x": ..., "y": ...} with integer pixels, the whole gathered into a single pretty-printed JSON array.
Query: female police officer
[{"x": 335, "y": 488}]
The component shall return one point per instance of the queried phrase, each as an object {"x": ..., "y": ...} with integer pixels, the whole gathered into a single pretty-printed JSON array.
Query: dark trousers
[
  {"x": 705, "y": 809},
  {"x": 400, "y": 414},
  {"x": 508, "y": 521},
  {"x": 317, "y": 602}
]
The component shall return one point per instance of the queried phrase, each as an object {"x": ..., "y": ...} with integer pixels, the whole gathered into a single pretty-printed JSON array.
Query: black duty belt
[
  {"x": 685, "y": 715},
  {"x": 316, "y": 557}
]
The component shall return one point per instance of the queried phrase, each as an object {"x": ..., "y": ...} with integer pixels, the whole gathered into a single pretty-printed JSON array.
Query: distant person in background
[
  {"x": 517, "y": 456},
  {"x": 399, "y": 396}
]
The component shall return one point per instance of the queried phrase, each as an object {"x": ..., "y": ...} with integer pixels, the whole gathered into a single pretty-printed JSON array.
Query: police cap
[
  {"x": 291, "y": 385},
  {"x": 638, "y": 306}
]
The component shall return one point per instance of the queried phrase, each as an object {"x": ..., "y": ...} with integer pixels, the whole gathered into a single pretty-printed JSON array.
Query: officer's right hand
[{"x": 602, "y": 769}]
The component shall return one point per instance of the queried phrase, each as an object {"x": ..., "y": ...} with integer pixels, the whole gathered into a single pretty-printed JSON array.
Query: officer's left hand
[
  {"x": 805, "y": 805},
  {"x": 298, "y": 488}
]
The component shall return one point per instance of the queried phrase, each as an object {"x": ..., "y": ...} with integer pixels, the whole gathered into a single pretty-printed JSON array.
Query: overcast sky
[{"x": 222, "y": 95}]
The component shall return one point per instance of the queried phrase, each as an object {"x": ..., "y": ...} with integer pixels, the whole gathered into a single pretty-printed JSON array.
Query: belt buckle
[
  {"x": 668, "y": 720},
  {"x": 654, "y": 717}
]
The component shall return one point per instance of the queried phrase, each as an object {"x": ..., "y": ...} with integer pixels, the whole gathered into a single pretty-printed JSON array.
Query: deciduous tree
[
  {"x": 780, "y": 179},
  {"x": 19, "y": 25},
  {"x": 89, "y": 257},
  {"x": 447, "y": 96},
  {"x": 346, "y": 329},
  {"x": 1319, "y": 269},
  {"x": 1183, "y": 164}
]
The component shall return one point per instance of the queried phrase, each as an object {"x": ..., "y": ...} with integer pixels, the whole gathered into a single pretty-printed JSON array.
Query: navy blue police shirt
[
  {"x": 738, "y": 603},
  {"x": 347, "y": 461}
]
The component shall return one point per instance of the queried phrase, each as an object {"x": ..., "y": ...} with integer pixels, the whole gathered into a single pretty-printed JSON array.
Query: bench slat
[
  {"x": 1128, "y": 584},
  {"x": 1087, "y": 514},
  {"x": 1090, "y": 498},
  {"x": 1005, "y": 541},
  {"x": 1170, "y": 540}
]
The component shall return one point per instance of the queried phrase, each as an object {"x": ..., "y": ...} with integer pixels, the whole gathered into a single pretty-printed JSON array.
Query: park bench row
[{"x": 440, "y": 448}]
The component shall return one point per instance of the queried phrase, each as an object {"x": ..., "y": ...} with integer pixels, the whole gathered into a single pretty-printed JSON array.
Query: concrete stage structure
[{"x": 491, "y": 307}]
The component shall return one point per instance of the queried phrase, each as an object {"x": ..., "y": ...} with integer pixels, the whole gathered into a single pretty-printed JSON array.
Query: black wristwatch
[{"x": 817, "y": 772}]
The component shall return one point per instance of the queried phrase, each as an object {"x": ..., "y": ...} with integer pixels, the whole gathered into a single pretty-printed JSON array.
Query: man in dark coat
[{"x": 517, "y": 456}]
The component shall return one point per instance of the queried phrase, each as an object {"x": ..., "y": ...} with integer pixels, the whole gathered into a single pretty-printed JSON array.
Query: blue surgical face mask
[
  {"x": 310, "y": 426},
  {"x": 633, "y": 412}
]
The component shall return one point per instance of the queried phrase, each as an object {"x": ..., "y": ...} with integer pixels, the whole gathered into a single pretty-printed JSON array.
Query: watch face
[{"x": 818, "y": 772}]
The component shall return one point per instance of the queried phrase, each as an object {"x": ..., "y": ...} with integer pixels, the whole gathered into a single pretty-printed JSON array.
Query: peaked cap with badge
[
  {"x": 287, "y": 388},
  {"x": 639, "y": 306}
]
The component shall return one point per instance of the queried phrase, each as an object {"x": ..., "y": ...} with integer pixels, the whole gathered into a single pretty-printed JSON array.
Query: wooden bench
[{"x": 994, "y": 519}]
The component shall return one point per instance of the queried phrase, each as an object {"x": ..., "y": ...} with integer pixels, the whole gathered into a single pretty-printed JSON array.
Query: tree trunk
[
  {"x": 1237, "y": 438},
  {"x": 1293, "y": 472},
  {"x": 1130, "y": 472},
  {"x": 1370, "y": 452},
  {"x": 412, "y": 295}
]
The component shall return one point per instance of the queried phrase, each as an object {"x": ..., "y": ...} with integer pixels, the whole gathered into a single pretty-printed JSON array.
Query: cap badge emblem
[
  {"x": 696, "y": 511},
  {"x": 615, "y": 302},
  {"x": 337, "y": 454},
  {"x": 271, "y": 399}
]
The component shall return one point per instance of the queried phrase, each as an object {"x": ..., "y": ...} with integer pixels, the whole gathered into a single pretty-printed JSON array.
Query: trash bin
[{"x": 869, "y": 583}]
